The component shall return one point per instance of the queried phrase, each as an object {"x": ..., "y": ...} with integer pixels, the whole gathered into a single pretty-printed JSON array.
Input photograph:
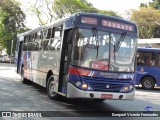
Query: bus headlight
[
  {"x": 78, "y": 83},
  {"x": 83, "y": 85},
  {"x": 127, "y": 88}
]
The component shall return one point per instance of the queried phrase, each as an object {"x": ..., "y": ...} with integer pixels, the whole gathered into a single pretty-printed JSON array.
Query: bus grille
[{"x": 107, "y": 84}]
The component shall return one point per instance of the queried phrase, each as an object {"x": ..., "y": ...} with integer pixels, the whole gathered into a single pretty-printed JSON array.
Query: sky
[{"x": 119, "y": 6}]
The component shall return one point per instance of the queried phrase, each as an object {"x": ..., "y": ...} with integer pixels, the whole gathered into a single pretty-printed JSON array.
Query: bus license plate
[{"x": 107, "y": 96}]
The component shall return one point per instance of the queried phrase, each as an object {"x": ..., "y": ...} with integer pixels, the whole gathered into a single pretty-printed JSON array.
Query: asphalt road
[{"x": 15, "y": 96}]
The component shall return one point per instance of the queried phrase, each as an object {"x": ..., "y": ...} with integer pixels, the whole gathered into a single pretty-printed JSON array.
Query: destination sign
[
  {"x": 89, "y": 20},
  {"x": 117, "y": 25}
]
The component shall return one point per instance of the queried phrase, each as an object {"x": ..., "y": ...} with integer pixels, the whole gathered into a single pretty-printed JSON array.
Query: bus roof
[
  {"x": 105, "y": 16},
  {"x": 77, "y": 16}
]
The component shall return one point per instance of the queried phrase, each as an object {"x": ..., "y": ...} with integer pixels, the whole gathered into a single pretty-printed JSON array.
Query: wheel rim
[
  {"x": 51, "y": 88},
  {"x": 148, "y": 83}
]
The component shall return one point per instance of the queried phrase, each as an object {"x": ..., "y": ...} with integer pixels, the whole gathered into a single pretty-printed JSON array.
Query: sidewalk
[{"x": 8, "y": 71}]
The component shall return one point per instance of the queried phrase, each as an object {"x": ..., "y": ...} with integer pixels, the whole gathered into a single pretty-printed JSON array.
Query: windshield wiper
[
  {"x": 95, "y": 34},
  {"x": 119, "y": 42}
]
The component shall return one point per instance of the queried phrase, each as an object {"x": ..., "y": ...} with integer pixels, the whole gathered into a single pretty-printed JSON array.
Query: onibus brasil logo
[{"x": 148, "y": 109}]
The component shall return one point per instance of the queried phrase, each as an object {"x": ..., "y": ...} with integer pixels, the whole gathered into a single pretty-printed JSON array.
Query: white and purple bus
[{"x": 81, "y": 57}]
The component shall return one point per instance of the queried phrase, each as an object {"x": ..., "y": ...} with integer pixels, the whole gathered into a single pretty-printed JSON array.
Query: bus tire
[
  {"x": 24, "y": 80},
  {"x": 99, "y": 100},
  {"x": 148, "y": 83},
  {"x": 50, "y": 88}
]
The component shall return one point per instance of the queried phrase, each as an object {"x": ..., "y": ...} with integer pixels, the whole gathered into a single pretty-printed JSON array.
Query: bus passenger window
[
  {"x": 49, "y": 33},
  {"x": 158, "y": 60},
  {"x": 45, "y": 45},
  {"x": 30, "y": 38},
  {"x": 25, "y": 47},
  {"x": 58, "y": 31},
  {"x": 146, "y": 58},
  {"x": 39, "y": 35},
  {"x": 55, "y": 44},
  {"x": 35, "y": 46},
  {"x": 45, "y": 34},
  {"x": 30, "y": 46}
]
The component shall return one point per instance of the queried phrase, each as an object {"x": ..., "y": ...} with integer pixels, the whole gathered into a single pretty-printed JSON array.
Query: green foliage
[
  {"x": 143, "y": 5},
  {"x": 11, "y": 22},
  {"x": 49, "y": 10},
  {"x": 155, "y": 4},
  {"x": 146, "y": 19},
  {"x": 110, "y": 13},
  {"x": 65, "y": 7}
]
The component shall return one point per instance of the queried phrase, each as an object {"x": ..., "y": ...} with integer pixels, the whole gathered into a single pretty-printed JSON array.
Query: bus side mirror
[{"x": 69, "y": 37}]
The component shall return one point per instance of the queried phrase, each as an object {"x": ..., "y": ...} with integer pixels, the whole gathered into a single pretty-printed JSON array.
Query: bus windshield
[{"x": 98, "y": 51}]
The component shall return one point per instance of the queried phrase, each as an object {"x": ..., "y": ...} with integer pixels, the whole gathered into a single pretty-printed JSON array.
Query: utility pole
[{"x": 11, "y": 51}]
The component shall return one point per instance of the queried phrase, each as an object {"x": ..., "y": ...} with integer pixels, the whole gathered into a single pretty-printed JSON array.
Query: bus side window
[
  {"x": 34, "y": 44},
  {"x": 25, "y": 47},
  {"x": 30, "y": 46},
  {"x": 158, "y": 60},
  {"x": 55, "y": 42},
  {"x": 149, "y": 59},
  {"x": 140, "y": 59},
  {"x": 39, "y": 35},
  {"x": 44, "y": 44},
  {"x": 58, "y": 31},
  {"x": 49, "y": 33},
  {"x": 45, "y": 34}
]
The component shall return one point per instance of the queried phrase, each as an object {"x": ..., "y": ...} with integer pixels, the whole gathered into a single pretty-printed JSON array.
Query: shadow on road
[
  {"x": 155, "y": 90},
  {"x": 78, "y": 104}
]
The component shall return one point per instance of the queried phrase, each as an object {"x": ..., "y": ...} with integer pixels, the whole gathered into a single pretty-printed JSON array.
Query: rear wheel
[
  {"x": 148, "y": 83},
  {"x": 51, "y": 88}
]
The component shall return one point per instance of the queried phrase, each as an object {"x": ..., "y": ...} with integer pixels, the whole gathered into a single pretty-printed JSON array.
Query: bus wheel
[
  {"x": 99, "y": 100},
  {"x": 24, "y": 80},
  {"x": 148, "y": 83},
  {"x": 50, "y": 88}
]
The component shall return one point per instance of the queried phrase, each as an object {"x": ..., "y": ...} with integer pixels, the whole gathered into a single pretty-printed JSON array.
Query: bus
[
  {"x": 78, "y": 57},
  {"x": 148, "y": 67}
]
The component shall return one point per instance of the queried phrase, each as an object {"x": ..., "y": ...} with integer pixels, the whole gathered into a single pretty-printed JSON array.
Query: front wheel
[
  {"x": 148, "y": 83},
  {"x": 51, "y": 88}
]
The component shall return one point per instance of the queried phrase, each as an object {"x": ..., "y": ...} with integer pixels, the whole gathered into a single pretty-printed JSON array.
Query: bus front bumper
[{"x": 73, "y": 92}]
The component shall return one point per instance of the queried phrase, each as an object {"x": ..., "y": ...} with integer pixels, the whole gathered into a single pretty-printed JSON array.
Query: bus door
[
  {"x": 19, "y": 60},
  {"x": 65, "y": 60}
]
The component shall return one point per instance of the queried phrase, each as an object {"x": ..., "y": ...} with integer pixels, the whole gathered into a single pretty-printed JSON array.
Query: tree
[
  {"x": 146, "y": 19},
  {"x": 11, "y": 22},
  {"x": 64, "y": 7},
  {"x": 109, "y": 13},
  {"x": 144, "y": 5},
  {"x": 43, "y": 10},
  {"x": 49, "y": 10},
  {"x": 155, "y": 4}
]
